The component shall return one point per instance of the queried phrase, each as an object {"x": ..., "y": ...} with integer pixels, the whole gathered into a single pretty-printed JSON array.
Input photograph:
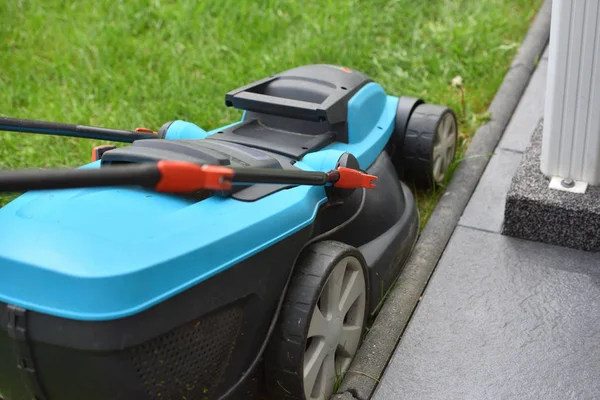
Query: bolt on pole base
[{"x": 568, "y": 185}]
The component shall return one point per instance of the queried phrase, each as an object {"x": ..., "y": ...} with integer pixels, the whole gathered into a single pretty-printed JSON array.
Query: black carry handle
[
  {"x": 248, "y": 98},
  {"x": 280, "y": 106},
  {"x": 80, "y": 131}
]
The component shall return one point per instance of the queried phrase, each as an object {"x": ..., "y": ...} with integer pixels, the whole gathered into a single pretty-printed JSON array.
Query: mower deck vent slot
[{"x": 188, "y": 362}]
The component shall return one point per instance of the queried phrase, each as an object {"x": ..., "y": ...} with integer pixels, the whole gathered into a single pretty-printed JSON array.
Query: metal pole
[{"x": 571, "y": 137}]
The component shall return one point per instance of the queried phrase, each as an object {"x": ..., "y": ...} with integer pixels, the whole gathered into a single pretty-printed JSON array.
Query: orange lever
[
  {"x": 185, "y": 177},
  {"x": 352, "y": 178},
  {"x": 99, "y": 150},
  {"x": 144, "y": 130}
]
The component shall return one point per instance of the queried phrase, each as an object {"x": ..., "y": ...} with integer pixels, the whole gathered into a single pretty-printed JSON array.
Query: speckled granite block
[{"x": 535, "y": 212}]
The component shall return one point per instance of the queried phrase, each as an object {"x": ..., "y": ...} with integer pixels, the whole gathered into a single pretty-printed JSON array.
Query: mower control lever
[
  {"x": 180, "y": 176},
  {"x": 176, "y": 177},
  {"x": 348, "y": 178}
]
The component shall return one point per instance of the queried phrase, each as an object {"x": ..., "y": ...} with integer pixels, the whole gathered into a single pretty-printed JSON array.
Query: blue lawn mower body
[{"x": 126, "y": 293}]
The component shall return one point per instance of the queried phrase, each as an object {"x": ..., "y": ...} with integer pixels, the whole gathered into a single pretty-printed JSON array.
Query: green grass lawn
[{"x": 134, "y": 63}]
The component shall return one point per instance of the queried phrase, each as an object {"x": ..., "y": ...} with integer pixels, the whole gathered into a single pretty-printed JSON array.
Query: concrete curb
[{"x": 379, "y": 344}]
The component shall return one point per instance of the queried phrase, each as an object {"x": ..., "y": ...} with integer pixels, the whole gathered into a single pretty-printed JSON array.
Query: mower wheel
[
  {"x": 429, "y": 145},
  {"x": 321, "y": 323}
]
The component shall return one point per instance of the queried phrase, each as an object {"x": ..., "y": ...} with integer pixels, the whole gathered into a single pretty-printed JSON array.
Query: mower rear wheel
[
  {"x": 321, "y": 323},
  {"x": 429, "y": 146}
]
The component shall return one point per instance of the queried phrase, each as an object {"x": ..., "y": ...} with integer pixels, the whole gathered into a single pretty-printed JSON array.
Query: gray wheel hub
[
  {"x": 335, "y": 329},
  {"x": 444, "y": 147}
]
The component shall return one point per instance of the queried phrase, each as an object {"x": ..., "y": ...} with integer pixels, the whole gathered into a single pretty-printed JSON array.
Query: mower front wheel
[{"x": 321, "y": 323}]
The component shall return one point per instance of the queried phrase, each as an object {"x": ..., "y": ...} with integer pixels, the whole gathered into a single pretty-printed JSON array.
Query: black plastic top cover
[
  {"x": 203, "y": 151},
  {"x": 317, "y": 92}
]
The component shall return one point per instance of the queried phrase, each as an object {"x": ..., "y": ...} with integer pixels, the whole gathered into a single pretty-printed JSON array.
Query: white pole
[{"x": 571, "y": 143}]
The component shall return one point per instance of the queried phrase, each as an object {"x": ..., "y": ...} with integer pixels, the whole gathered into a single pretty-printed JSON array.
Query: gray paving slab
[
  {"x": 485, "y": 210},
  {"x": 502, "y": 318},
  {"x": 518, "y": 132},
  {"x": 380, "y": 342}
]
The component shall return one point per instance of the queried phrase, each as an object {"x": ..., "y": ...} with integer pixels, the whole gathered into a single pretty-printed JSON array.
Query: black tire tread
[
  {"x": 283, "y": 358},
  {"x": 417, "y": 151}
]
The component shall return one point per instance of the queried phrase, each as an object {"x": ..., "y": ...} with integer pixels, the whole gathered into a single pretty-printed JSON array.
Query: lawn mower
[{"x": 177, "y": 265}]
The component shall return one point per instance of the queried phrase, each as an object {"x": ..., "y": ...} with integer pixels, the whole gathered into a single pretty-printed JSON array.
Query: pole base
[{"x": 536, "y": 211}]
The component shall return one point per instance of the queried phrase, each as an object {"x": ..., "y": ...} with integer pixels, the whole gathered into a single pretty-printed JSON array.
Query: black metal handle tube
[
  {"x": 278, "y": 176},
  {"x": 81, "y": 131},
  {"x": 34, "y": 179}
]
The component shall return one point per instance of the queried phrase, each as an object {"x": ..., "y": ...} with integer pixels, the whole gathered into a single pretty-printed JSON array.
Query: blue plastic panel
[{"x": 106, "y": 253}]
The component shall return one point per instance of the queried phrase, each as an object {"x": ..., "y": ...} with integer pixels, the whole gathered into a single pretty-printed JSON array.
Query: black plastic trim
[
  {"x": 206, "y": 151},
  {"x": 255, "y": 133},
  {"x": 162, "y": 132},
  {"x": 406, "y": 106},
  {"x": 16, "y": 326},
  {"x": 385, "y": 229}
]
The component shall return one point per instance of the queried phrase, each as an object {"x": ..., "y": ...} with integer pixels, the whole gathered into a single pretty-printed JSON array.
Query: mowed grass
[{"x": 133, "y": 63}]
